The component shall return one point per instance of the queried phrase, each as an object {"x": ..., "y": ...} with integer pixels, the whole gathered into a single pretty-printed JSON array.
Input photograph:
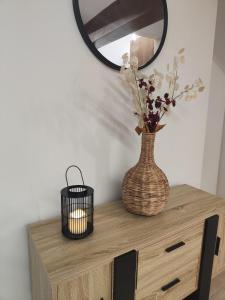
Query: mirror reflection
[{"x": 124, "y": 26}]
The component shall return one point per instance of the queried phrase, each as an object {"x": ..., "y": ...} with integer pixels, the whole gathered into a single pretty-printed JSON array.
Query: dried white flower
[
  {"x": 149, "y": 106},
  {"x": 158, "y": 78},
  {"x": 134, "y": 62},
  {"x": 125, "y": 59}
]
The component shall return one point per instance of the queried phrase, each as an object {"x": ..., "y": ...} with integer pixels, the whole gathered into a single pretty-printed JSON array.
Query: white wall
[
  {"x": 221, "y": 174},
  {"x": 60, "y": 105},
  {"x": 220, "y": 60},
  {"x": 216, "y": 110}
]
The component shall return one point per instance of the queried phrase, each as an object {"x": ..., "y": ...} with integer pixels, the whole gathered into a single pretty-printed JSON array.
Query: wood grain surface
[
  {"x": 117, "y": 231},
  {"x": 64, "y": 269}
]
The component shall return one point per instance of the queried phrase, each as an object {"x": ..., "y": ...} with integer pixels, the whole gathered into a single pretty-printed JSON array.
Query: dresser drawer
[
  {"x": 176, "y": 286},
  {"x": 175, "y": 258}
]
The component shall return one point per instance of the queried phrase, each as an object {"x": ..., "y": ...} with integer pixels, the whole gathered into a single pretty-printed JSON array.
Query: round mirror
[{"x": 111, "y": 28}]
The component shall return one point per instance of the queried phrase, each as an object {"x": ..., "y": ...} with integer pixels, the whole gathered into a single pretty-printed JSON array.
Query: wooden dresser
[{"x": 169, "y": 256}]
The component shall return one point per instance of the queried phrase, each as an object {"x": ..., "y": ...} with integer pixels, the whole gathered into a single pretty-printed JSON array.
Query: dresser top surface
[{"x": 116, "y": 231}]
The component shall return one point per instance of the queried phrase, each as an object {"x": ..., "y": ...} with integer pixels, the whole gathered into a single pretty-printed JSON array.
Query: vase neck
[{"x": 147, "y": 148}]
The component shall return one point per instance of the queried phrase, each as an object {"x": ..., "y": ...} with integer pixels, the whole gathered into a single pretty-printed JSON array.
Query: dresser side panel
[{"x": 40, "y": 285}]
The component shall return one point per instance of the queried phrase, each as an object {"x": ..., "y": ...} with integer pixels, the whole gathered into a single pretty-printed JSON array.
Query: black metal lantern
[{"x": 77, "y": 207}]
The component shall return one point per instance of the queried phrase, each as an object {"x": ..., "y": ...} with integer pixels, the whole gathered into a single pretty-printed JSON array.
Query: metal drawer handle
[
  {"x": 217, "y": 246},
  {"x": 174, "y": 247},
  {"x": 171, "y": 284}
]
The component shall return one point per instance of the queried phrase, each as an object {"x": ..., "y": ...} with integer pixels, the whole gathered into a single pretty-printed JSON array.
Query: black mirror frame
[{"x": 102, "y": 58}]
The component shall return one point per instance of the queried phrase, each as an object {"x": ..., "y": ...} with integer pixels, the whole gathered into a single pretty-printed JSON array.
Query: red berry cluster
[{"x": 156, "y": 107}]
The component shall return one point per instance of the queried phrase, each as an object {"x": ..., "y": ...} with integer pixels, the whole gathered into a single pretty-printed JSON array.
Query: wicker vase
[{"x": 145, "y": 188}]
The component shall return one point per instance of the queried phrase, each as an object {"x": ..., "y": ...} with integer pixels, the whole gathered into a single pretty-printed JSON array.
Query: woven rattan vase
[{"x": 145, "y": 188}]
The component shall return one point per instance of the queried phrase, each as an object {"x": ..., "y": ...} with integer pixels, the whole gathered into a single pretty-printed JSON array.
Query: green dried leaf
[
  {"x": 201, "y": 89},
  {"x": 182, "y": 59},
  {"x": 175, "y": 63},
  {"x": 181, "y": 51}
]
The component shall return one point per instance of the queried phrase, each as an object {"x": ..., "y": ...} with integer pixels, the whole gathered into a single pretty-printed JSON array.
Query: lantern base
[{"x": 77, "y": 236}]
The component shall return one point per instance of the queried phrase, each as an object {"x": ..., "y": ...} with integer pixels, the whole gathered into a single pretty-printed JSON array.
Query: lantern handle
[{"x": 73, "y": 166}]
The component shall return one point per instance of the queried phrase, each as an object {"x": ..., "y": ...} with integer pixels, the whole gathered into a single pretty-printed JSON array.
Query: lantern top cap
[{"x": 77, "y": 191}]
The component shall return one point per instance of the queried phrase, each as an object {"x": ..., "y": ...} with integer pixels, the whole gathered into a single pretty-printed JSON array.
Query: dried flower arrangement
[{"x": 150, "y": 108}]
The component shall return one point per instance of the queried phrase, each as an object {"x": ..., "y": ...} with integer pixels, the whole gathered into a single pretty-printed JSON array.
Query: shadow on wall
[
  {"x": 104, "y": 115},
  {"x": 220, "y": 62},
  {"x": 219, "y": 59},
  {"x": 116, "y": 117},
  {"x": 219, "y": 49},
  {"x": 221, "y": 175}
]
